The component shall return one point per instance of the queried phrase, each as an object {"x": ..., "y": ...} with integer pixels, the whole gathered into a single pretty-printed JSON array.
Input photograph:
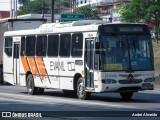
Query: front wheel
[
  {"x": 81, "y": 93},
  {"x": 126, "y": 96}
]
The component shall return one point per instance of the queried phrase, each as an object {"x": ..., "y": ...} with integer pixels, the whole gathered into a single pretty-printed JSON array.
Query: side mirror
[{"x": 97, "y": 48}]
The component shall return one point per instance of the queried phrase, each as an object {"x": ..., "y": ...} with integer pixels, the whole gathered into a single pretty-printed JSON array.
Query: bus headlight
[
  {"x": 149, "y": 80},
  {"x": 109, "y": 81}
]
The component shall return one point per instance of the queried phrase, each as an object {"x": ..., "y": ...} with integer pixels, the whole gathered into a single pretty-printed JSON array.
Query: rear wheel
[
  {"x": 81, "y": 93},
  {"x": 32, "y": 90},
  {"x": 126, "y": 96}
]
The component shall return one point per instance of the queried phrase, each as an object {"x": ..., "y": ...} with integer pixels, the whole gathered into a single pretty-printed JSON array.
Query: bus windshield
[{"x": 125, "y": 53}]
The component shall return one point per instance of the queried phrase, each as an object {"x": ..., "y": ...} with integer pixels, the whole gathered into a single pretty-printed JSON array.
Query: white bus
[{"x": 80, "y": 58}]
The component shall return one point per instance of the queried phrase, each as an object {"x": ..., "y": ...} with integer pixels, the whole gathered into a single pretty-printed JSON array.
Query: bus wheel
[
  {"x": 81, "y": 93},
  {"x": 32, "y": 90},
  {"x": 126, "y": 96}
]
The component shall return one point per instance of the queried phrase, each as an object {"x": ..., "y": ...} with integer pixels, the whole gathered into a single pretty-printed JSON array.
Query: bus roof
[{"x": 54, "y": 28}]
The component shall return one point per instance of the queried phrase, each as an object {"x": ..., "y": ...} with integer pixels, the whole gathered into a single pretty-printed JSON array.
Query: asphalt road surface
[{"x": 16, "y": 99}]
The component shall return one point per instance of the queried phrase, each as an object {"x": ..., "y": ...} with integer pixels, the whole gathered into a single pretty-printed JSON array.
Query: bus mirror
[{"x": 97, "y": 48}]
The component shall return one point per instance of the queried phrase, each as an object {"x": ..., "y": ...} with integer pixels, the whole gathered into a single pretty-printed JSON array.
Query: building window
[
  {"x": 65, "y": 42},
  {"x": 81, "y": 2},
  {"x": 8, "y": 46},
  {"x": 41, "y": 45},
  {"x": 53, "y": 45}
]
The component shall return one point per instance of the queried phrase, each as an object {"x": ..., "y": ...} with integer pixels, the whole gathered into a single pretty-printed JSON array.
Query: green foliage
[
  {"x": 142, "y": 11},
  {"x": 34, "y": 7},
  {"x": 89, "y": 12},
  {"x": 66, "y": 3}
]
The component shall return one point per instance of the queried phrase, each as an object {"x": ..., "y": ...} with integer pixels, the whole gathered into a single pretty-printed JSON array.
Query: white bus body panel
[
  {"x": 103, "y": 87},
  {"x": 8, "y": 68}
]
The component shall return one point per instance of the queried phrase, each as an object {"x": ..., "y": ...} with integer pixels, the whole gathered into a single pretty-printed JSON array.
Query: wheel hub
[
  {"x": 29, "y": 85},
  {"x": 81, "y": 88}
]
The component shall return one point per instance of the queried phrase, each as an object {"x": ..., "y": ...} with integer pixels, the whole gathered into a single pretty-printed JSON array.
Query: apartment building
[{"x": 107, "y": 8}]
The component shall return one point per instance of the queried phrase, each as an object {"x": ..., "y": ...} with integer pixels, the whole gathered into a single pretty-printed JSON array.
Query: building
[
  {"x": 4, "y": 14},
  {"x": 107, "y": 8}
]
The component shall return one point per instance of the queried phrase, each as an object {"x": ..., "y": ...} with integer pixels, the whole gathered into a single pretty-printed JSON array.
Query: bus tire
[
  {"x": 81, "y": 93},
  {"x": 32, "y": 90},
  {"x": 126, "y": 95}
]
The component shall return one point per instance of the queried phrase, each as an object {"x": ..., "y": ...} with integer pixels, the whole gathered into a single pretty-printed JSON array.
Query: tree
[
  {"x": 34, "y": 7},
  {"x": 143, "y": 11},
  {"x": 89, "y": 12},
  {"x": 66, "y": 3}
]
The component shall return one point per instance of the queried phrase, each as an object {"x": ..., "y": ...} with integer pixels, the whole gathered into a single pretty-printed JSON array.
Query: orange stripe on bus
[
  {"x": 41, "y": 67},
  {"x": 25, "y": 64},
  {"x": 33, "y": 66}
]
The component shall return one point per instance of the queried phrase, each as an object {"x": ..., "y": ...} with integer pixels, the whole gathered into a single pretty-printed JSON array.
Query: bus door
[
  {"x": 89, "y": 60},
  {"x": 16, "y": 63}
]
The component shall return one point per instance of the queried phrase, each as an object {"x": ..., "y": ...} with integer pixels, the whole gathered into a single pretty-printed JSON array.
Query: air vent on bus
[{"x": 74, "y": 23}]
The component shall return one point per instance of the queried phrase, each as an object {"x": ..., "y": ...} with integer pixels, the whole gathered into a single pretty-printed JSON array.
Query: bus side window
[
  {"x": 41, "y": 45},
  {"x": 8, "y": 46},
  {"x": 30, "y": 46},
  {"x": 53, "y": 45},
  {"x": 77, "y": 44},
  {"x": 65, "y": 43},
  {"x": 23, "y": 46}
]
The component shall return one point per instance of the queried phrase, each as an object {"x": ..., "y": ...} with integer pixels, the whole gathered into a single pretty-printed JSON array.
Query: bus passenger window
[
  {"x": 77, "y": 44},
  {"x": 41, "y": 45},
  {"x": 53, "y": 44},
  {"x": 8, "y": 46},
  {"x": 30, "y": 46},
  {"x": 23, "y": 46},
  {"x": 65, "y": 42}
]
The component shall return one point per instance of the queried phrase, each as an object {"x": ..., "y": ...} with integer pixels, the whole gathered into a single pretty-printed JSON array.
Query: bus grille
[{"x": 134, "y": 81}]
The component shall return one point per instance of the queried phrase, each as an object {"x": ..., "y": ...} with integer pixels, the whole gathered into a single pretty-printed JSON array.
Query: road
[{"x": 13, "y": 98}]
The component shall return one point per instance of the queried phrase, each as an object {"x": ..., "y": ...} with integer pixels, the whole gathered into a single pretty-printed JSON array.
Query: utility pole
[
  {"x": 52, "y": 11},
  {"x": 16, "y": 9},
  {"x": 11, "y": 10},
  {"x": 42, "y": 3}
]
